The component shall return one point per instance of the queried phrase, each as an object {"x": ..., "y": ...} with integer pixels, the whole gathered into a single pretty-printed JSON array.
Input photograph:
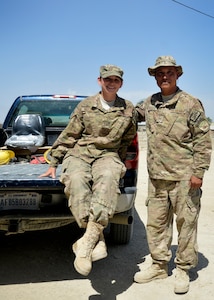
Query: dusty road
[{"x": 39, "y": 266}]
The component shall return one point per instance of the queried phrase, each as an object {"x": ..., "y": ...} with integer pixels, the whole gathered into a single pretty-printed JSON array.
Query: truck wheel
[{"x": 122, "y": 234}]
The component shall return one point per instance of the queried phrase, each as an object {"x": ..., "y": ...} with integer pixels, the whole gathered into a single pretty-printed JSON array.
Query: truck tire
[{"x": 122, "y": 234}]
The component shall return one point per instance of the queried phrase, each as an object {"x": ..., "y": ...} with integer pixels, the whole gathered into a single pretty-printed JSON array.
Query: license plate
[{"x": 26, "y": 201}]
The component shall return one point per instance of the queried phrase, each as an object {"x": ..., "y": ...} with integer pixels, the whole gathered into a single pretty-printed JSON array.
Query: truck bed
[{"x": 26, "y": 175}]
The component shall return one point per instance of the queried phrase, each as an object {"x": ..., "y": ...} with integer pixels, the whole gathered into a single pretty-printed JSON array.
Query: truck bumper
[{"x": 20, "y": 223}]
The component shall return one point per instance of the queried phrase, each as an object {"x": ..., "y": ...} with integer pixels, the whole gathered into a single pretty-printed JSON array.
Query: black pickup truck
[{"x": 28, "y": 202}]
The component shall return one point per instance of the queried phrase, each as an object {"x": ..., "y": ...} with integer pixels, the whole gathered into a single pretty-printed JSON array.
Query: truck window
[{"x": 54, "y": 112}]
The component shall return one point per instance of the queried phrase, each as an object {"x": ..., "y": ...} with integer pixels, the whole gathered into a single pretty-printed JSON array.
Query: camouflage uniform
[
  {"x": 179, "y": 146},
  {"x": 92, "y": 147}
]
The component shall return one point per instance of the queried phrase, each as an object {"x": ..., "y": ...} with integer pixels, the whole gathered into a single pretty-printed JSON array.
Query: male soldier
[
  {"x": 179, "y": 151},
  {"x": 93, "y": 148}
]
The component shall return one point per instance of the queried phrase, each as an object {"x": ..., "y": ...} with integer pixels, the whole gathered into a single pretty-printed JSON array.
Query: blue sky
[{"x": 57, "y": 46}]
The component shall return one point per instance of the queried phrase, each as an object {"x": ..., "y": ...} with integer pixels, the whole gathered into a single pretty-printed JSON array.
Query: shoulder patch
[
  {"x": 195, "y": 115},
  {"x": 204, "y": 125}
]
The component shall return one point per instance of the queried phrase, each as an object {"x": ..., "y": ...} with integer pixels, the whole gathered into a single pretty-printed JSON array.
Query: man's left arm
[{"x": 202, "y": 143}]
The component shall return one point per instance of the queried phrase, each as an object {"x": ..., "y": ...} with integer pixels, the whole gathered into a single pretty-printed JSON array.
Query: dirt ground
[{"x": 39, "y": 265}]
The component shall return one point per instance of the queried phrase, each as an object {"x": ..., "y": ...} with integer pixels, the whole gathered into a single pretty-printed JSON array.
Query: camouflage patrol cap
[
  {"x": 110, "y": 70},
  {"x": 165, "y": 61}
]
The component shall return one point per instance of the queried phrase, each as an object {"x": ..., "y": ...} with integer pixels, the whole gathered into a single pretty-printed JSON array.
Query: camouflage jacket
[
  {"x": 94, "y": 132},
  {"x": 178, "y": 136}
]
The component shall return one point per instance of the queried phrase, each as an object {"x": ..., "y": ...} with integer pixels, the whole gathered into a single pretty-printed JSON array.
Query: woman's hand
[{"x": 51, "y": 172}]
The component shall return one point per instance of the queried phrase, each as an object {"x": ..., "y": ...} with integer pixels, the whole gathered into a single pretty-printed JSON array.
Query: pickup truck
[{"x": 28, "y": 202}]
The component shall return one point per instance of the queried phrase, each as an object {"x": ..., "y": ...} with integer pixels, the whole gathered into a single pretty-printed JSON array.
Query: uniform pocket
[
  {"x": 121, "y": 166},
  {"x": 194, "y": 198}
]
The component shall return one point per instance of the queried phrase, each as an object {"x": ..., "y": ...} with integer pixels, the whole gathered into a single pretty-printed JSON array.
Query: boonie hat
[
  {"x": 165, "y": 61},
  {"x": 110, "y": 70}
]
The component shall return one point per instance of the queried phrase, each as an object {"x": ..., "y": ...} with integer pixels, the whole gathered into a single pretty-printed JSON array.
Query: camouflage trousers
[
  {"x": 92, "y": 189},
  {"x": 166, "y": 199}
]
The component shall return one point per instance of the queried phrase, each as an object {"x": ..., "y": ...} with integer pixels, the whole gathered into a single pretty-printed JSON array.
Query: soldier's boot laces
[
  {"x": 155, "y": 271},
  {"x": 84, "y": 247},
  {"x": 181, "y": 281}
]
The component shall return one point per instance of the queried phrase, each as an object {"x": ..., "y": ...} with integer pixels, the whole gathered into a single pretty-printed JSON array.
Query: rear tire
[{"x": 122, "y": 234}]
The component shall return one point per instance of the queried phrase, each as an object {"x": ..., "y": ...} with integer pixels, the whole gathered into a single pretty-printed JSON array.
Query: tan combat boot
[
  {"x": 84, "y": 247},
  {"x": 100, "y": 250},
  {"x": 155, "y": 271},
  {"x": 181, "y": 281}
]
